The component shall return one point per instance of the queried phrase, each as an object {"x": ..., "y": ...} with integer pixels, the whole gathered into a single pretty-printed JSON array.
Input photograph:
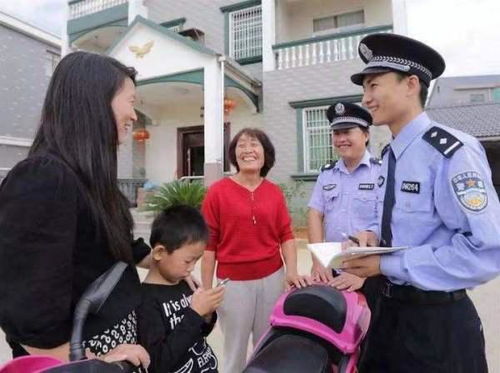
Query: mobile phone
[{"x": 223, "y": 282}]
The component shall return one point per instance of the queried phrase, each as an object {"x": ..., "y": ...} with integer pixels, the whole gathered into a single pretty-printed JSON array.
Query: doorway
[{"x": 191, "y": 150}]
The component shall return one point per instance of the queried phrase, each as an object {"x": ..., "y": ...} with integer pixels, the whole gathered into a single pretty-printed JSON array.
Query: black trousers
[{"x": 440, "y": 338}]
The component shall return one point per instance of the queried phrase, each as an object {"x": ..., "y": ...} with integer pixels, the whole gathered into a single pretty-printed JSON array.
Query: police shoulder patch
[
  {"x": 328, "y": 166},
  {"x": 442, "y": 141},
  {"x": 470, "y": 190}
]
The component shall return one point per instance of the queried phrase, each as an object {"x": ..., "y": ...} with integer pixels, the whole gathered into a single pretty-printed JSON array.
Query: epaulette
[
  {"x": 385, "y": 150},
  {"x": 375, "y": 161},
  {"x": 328, "y": 166},
  {"x": 443, "y": 141}
]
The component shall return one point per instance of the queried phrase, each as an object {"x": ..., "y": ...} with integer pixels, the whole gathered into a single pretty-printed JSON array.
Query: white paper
[{"x": 330, "y": 254}]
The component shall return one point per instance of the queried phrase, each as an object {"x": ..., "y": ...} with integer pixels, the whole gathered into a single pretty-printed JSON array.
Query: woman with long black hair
[{"x": 64, "y": 222}]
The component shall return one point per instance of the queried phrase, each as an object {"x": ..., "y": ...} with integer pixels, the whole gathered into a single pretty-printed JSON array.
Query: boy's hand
[
  {"x": 204, "y": 302},
  {"x": 347, "y": 281},
  {"x": 320, "y": 273},
  {"x": 294, "y": 279}
]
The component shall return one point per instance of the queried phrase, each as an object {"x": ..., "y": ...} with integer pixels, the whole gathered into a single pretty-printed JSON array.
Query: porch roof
[{"x": 175, "y": 58}]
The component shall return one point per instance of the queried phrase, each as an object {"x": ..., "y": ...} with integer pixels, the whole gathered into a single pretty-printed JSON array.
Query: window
[
  {"x": 477, "y": 97},
  {"x": 340, "y": 22},
  {"x": 245, "y": 33},
  {"x": 317, "y": 139},
  {"x": 175, "y": 25},
  {"x": 495, "y": 94},
  {"x": 51, "y": 61}
]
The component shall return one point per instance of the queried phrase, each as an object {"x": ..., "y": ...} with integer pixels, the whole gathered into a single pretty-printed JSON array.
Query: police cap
[
  {"x": 346, "y": 115},
  {"x": 391, "y": 52}
]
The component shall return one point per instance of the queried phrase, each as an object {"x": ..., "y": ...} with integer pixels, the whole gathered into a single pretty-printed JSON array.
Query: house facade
[
  {"x": 472, "y": 105},
  {"x": 28, "y": 57},
  {"x": 209, "y": 68}
]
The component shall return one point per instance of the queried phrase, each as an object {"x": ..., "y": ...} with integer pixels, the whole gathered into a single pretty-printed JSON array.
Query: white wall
[
  {"x": 161, "y": 148},
  {"x": 167, "y": 56},
  {"x": 295, "y": 20}
]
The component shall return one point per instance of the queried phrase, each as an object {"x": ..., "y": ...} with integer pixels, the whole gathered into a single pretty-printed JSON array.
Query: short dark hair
[
  {"x": 269, "y": 153},
  {"x": 177, "y": 226},
  {"x": 424, "y": 90}
]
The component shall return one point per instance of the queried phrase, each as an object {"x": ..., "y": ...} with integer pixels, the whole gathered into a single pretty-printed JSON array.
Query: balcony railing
[
  {"x": 80, "y": 8},
  {"x": 322, "y": 49}
]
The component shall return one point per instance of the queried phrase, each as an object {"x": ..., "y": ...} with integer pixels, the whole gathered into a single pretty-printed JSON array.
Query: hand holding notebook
[{"x": 330, "y": 254}]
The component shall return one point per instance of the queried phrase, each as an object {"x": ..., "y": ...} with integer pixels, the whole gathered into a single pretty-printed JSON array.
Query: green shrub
[
  {"x": 294, "y": 195},
  {"x": 176, "y": 193}
]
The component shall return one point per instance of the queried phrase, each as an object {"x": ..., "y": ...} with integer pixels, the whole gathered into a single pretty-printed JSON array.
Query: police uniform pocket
[
  {"x": 330, "y": 197},
  {"x": 412, "y": 202},
  {"x": 364, "y": 205}
]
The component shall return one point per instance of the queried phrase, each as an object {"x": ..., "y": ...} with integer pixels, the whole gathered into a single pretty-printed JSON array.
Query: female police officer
[
  {"x": 437, "y": 198},
  {"x": 344, "y": 199}
]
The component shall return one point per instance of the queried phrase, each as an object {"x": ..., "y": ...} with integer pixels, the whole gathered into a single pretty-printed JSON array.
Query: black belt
[{"x": 410, "y": 294}]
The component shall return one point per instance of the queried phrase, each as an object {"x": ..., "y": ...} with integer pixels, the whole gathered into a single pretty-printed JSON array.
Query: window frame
[
  {"x": 229, "y": 11},
  {"x": 306, "y": 140},
  {"x": 299, "y": 107},
  {"x": 335, "y": 21}
]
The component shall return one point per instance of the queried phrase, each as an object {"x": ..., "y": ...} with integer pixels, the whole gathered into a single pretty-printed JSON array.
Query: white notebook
[{"x": 330, "y": 254}]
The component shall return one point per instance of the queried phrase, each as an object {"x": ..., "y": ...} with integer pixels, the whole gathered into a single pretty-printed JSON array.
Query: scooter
[
  {"x": 90, "y": 303},
  {"x": 316, "y": 329}
]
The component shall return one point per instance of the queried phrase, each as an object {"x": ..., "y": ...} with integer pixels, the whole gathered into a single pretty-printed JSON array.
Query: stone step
[{"x": 142, "y": 225}]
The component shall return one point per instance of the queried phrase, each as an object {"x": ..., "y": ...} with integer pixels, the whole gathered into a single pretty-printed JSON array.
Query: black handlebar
[{"x": 91, "y": 302}]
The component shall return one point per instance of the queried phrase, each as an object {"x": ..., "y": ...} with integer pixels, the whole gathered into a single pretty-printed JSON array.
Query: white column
[
  {"x": 268, "y": 34},
  {"x": 214, "y": 120},
  {"x": 399, "y": 17},
  {"x": 65, "y": 47},
  {"x": 136, "y": 8}
]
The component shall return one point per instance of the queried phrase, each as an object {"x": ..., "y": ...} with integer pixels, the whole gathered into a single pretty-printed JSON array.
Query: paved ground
[{"x": 486, "y": 298}]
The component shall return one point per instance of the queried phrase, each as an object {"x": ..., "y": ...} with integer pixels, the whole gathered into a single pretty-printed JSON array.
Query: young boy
[{"x": 174, "y": 320}]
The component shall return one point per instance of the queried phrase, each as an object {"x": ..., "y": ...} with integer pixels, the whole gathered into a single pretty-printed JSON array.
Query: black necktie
[{"x": 389, "y": 200}]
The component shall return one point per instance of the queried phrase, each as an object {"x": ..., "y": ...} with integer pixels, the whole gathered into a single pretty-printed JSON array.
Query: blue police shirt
[
  {"x": 447, "y": 211},
  {"x": 346, "y": 199}
]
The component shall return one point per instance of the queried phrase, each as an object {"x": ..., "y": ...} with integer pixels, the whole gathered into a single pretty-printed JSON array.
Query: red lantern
[
  {"x": 140, "y": 135},
  {"x": 229, "y": 105}
]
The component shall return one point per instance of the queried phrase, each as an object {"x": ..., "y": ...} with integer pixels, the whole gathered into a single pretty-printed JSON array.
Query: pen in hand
[{"x": 351, "y": 238}]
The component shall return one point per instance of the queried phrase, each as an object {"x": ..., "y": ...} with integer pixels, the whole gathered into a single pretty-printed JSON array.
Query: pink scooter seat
[
  {"x": 341, "y": 318},
  {"x": 30, "y": 364}
]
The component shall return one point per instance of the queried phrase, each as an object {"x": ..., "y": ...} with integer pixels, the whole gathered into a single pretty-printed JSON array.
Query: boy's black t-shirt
[{"x": 172, "y": 332}]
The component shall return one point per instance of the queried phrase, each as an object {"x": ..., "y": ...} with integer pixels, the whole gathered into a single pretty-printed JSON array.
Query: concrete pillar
[
  {"x": 268, "y": 34},
  {"x": 399, "y": 17},
  {"x": 65, "y": 47},
  {"x": 214, "y": 120},
  {"x": 136, "y": 8}
]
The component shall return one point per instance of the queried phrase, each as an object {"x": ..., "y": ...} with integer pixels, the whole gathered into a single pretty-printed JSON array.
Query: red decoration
[
  {"x": 140, "y": 135},
  {"x": 229, "y": 105}
]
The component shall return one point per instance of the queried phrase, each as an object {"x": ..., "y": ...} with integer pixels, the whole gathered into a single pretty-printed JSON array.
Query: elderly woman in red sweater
[{"x": 250, "y": 233}]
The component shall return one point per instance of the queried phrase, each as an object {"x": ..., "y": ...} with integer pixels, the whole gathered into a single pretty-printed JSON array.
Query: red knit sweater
[{"x": 246, "y": 228}]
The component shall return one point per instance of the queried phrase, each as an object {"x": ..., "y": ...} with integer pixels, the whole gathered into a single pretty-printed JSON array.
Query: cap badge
[
  {"x": 365, "y": 51},
  {"x": 339, "y": 109}
]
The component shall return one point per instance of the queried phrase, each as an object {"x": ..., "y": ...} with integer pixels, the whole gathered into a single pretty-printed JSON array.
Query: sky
[
  {"x": 45, "y": 14},
  {"x": 465, "y": 32}
]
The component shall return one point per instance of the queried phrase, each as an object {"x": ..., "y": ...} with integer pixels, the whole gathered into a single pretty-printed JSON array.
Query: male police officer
[
  {"x": 344, "y": 197},
  {"x": 436, "y": 197}
]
